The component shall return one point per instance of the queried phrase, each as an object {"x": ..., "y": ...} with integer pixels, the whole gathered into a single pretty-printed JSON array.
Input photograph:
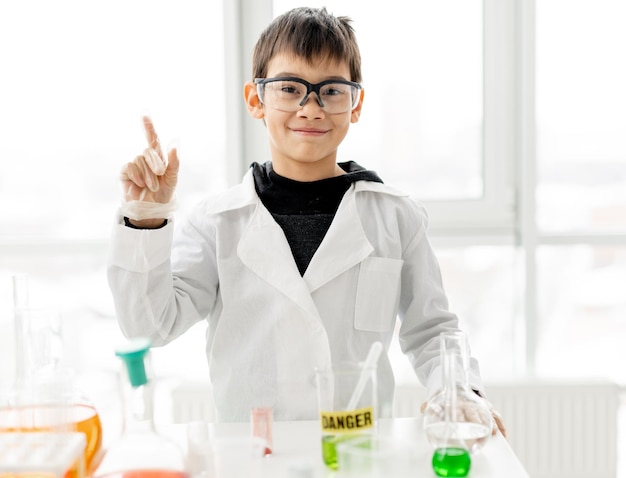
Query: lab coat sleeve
[
  {"x": 424, "y": 312},
  {"x": 155, "y": 294}
]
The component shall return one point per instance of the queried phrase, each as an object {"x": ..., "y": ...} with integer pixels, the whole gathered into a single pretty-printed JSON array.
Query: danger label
[{"x": 344, "y": 422}]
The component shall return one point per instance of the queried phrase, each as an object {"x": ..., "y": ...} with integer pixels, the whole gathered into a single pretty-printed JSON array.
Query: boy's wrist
[{"x": 145, "y": 223}]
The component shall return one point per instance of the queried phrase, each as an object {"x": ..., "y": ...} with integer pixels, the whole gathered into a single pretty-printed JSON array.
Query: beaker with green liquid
[{"x": 341, "y": 420}]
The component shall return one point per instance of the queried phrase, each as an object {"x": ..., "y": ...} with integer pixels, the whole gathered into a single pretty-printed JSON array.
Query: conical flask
[
  {"x": 140, "y": 452},
  {"x": 457, "y": 422}
]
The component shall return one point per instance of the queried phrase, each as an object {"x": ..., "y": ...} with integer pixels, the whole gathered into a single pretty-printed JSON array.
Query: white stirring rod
[{"x": 370, "y": 361}]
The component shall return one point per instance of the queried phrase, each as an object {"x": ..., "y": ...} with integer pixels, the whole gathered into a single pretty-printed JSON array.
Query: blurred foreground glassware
[
  {"x": 44, "y": 396},
  {"x": 237, "y": 456},
  {"x": 457, "y": 422},
  {"x": 53, "y": 404},
  {"x": 140, "y": 452},
  {"x": 376, "y": 457},
  {"x": 42, "y": 455}
]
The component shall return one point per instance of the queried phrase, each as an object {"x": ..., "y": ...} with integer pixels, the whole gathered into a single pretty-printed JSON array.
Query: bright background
[{"x": 507, "y": 121}]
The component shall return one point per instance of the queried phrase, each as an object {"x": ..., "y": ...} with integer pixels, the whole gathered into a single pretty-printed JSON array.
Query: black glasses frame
[{"x": 310, "y": 87}]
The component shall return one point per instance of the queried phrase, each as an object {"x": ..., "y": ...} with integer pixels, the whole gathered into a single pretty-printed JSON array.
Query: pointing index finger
[{"x": 151, "y": 135}]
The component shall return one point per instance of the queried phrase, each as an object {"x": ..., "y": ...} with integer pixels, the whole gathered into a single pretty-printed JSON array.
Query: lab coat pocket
[{"x": 377, "y": 294}]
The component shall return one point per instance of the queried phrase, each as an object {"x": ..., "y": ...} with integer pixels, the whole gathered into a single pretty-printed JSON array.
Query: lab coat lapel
[
  {"x": 264, "y": 249},
  {"x": 344, "y": 245}
]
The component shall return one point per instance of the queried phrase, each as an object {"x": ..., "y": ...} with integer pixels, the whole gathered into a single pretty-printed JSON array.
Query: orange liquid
[
  {"x": 48, "y": 418},
  {"x": 147, "y": 474}
]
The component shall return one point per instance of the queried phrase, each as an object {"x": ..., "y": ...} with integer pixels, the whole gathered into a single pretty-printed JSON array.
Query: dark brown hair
[{"x": 309, "y": 33}]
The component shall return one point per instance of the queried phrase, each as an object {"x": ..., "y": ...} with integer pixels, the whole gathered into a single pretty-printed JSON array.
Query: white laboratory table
[{"x": 296, "y": 445}]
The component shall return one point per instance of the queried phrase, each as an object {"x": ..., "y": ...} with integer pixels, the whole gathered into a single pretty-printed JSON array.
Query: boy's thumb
[{"x": 173, "y": 162}]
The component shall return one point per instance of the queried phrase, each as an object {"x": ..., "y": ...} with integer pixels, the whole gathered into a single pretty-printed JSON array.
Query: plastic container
[{"x": 42, "y": 455}]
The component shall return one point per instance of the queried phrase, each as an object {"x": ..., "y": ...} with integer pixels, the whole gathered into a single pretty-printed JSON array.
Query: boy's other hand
[
  {"x": 149, "y": 177},
  {"x": 497, "y": 423}
]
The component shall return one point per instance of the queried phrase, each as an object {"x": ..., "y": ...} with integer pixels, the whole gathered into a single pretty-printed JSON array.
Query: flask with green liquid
[{"x": 457, "y": 422}]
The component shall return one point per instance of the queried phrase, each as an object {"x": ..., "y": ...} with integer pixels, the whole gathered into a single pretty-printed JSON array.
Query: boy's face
[{"x": 304, "y": 143}]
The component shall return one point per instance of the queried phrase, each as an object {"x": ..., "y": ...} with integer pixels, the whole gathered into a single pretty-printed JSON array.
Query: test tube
[{"x": 261, "y": 418}]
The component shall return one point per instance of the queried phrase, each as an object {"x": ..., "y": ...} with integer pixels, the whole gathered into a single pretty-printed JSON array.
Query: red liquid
[{"x": 147, "y": 474}]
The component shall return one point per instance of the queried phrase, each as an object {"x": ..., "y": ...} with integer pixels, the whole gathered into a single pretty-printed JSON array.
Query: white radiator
[{"x": 557, "y": 430}]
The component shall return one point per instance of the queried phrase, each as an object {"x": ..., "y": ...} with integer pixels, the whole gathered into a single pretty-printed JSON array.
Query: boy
[{"x": 307, "y": 262}]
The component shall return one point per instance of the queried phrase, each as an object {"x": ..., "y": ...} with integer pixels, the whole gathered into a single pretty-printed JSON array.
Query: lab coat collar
[
  {"x": 244, "y": 194},
  {"x": 344, "y": 245},
  {"x": 237, "y": 197},
  {"x": 263, "y": 247}
]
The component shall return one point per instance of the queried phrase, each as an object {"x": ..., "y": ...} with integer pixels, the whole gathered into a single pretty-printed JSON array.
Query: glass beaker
[
  {"x": 343, "y": 414},
  {"x": 140, "y": 452},
  {"x": 457, "y": 422},
  {"x": 53, "y": 403},
  {"x": 44, "y": 396}
]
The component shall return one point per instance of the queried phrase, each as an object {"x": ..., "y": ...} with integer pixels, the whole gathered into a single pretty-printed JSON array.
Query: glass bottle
[
  {"x": 140, "y": 452},
  {"x": 457, "y": 422}
]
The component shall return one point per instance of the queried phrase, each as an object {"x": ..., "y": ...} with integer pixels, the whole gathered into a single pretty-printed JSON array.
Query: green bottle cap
[{"x": 133, "y": 354}]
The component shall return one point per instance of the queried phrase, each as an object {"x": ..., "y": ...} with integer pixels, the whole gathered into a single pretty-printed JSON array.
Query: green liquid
[
  {"x": 329, "y": 450},
  {"x": 453, "y": 462}
]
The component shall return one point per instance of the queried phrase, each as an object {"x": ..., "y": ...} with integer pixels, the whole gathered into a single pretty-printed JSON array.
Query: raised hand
[{"x": 149, "y": 177}]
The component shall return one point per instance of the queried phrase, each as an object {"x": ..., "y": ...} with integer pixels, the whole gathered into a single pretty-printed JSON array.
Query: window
[
  {"x": 581, "y": 188},
  {"x": 421, "y": 127},
  {"x": 505, "y": 123},
  {"x": 582, "y": 306},
  {"x": 73, "y": 97},
  {"x": 77, "y": 76},
  {"x": 425, "y": 117},
  {"x": 580, "y": 99}
]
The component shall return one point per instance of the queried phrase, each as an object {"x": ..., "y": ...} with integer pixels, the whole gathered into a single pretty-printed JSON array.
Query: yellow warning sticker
[{"x": 348, "y": 421}]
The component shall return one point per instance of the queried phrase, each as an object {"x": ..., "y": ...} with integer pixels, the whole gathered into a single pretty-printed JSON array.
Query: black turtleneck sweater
[{"x": 305, "y": 210}]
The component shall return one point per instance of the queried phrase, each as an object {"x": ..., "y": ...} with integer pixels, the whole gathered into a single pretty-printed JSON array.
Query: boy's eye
[
  {"x": 334, "y": 90},
  {"x": 288, "y": 88}
]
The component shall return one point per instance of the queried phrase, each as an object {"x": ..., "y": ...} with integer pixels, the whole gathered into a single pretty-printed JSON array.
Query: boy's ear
[
  {"x": 356, "y": 112},
  {"x": 253, "y": 102}
]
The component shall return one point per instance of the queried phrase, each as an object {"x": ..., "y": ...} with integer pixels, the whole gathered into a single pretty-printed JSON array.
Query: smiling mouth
[{"x": 309, "y": 131}]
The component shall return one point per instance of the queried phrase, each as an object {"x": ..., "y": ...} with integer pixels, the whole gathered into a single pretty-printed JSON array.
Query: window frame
[{"x": 493, "y": 215}]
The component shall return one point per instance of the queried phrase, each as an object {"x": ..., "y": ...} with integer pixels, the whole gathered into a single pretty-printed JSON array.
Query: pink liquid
[{"x": 146, "y": 474}]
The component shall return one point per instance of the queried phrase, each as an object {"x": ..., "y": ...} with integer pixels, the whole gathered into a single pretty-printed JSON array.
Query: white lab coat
[{"x": 269, "y": 327}]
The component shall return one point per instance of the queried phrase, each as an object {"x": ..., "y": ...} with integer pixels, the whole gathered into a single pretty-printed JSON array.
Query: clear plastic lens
[{"x": 289, "y": 96}]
